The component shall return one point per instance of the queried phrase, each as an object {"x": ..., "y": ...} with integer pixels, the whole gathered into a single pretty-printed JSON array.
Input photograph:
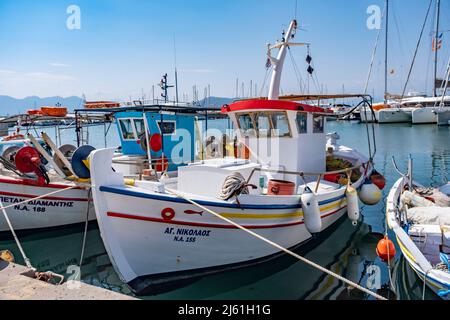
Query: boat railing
[{"x": 347, "y": 171}]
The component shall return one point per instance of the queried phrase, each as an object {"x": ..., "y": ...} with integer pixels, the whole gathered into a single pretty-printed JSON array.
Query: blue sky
[{"x": 124, "y": 46}]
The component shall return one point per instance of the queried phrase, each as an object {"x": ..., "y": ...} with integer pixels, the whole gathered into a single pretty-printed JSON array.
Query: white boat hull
[
  {"x": 424, "y": 115},
  {"x": 148, "y": 248},
  {"x": 394, "y": 115},
  {"x": 436, "y": 280},
  {"x": 443, "y": 117},
  {"x": 369, "y": 116},
  {"x": 64, "y": 208}
]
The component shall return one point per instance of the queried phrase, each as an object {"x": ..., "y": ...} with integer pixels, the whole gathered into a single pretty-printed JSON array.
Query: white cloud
[
  {"x": 48, "y": 76},
  {"x": 5, "y": 71},
  {"x": 59, "y": 65}
]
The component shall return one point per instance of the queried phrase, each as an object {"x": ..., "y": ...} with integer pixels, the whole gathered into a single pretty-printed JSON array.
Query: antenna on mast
[{"x": 176, "y": 71}]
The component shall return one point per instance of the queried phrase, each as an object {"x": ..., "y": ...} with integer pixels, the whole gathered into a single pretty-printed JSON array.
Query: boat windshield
[
  {"x": 126, "y": 127},
  {"x": 318, "y": 122},
  {"x": 264, "y": 124},
  {"x": 302, "y": 122}
]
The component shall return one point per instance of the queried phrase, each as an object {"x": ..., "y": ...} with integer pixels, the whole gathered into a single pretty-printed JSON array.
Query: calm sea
[{"x": 347, "y": 250}]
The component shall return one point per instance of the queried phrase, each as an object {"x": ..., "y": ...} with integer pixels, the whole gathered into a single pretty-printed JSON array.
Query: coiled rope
[
  {"x": 273, "y": 244},
  {"x": 234, "y": 185}
]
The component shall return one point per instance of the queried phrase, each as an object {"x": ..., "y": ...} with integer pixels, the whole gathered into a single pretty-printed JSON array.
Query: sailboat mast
[
  {"x": 436, "y": 45},
  {"x": 386, "y": 54}
]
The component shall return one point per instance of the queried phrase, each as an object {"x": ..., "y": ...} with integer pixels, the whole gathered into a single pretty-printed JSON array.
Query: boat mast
[
  {"x": 436, "y": 45},
  {"x": 277, "y": 63},
  {"x": 386, "y": 54}
]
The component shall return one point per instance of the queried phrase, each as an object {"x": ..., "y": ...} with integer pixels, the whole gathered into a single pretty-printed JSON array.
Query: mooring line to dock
[
  {"x": 16, "y": 239},
  {"x": 279, "y": 247},
  {"x": 11, "y": 228},
  {"x": 85, "y": 227}
]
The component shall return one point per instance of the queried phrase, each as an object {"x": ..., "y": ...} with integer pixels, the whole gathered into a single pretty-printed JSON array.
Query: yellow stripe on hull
[
  {"x": 405, "y": 251},
  {"x": 335, "y": 205}
]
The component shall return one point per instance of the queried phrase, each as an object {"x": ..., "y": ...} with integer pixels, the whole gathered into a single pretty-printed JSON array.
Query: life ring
[
  {"x": 162, "y": 164},
  {"x": 14, "y": 136}
]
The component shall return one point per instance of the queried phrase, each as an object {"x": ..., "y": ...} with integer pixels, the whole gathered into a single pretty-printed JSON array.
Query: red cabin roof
[{"x": 247, "y": 105}]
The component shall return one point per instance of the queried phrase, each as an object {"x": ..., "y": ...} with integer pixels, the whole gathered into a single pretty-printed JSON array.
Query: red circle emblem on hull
[{"x": 168, "y": 214}]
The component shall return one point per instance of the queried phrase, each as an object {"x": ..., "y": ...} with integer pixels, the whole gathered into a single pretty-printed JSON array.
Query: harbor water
[{"x": 346, "y": 250}]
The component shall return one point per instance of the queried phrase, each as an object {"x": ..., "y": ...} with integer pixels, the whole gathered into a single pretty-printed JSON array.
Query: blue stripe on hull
[{"x": 142, "y": 195}]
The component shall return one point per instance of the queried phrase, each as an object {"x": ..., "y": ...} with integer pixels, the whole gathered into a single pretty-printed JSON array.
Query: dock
[{"x": 15, "y": 284}]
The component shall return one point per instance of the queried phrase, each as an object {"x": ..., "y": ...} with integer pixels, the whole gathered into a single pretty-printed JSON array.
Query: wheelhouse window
[
  {"x": 318, "y": 122},
  {"x": 167, "y": 127},
  {"x": 246, "y": 125},
  {"x": 280, "y": 125},
  {"x": 126, "y": 126},
  {"x": 263, "y": 124},
  {"x": 140, "y": 127},
  {"x": 302, "y": 122}
]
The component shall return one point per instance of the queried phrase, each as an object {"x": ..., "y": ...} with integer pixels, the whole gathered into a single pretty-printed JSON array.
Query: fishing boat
[
  {"x": 420, "y": 219},
  {"x": 44, "y": 186},
  {"x": 162, "y": 233}
]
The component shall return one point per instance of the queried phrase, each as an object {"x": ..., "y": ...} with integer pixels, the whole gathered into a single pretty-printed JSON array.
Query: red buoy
[
  {"x": 378, "y": 180},
  {"x": 386, "y": 249}
]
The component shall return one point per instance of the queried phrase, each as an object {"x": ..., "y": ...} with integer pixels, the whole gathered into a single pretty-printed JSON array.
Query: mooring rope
[
  {"x": 279, "y": 247},
  {"x": 11, "y": 228},
  {"x": 85, "y": 227}
]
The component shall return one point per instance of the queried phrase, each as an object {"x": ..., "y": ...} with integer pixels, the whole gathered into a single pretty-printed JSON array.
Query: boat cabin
[
  {"x": 284, "y": 135},
  {"x": 166, "y": 132}
]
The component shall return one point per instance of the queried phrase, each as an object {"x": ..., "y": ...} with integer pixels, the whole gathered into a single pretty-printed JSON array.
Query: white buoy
[
  {"x": 311, "y": 212},
  {"x": 352, "y": 204},
  {"x": 370, "y": 194}
]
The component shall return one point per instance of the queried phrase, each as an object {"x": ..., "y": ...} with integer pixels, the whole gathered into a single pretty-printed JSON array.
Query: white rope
[
  {"x": 312, "y": 264},
  {"x": 85, "y": 227},
  {"x": 16, "y": 239}
]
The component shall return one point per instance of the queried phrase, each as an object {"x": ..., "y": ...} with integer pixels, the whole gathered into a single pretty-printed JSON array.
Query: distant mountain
[
  {"x": 10, "y": 105},
  {"x": 215, "y": 102}
]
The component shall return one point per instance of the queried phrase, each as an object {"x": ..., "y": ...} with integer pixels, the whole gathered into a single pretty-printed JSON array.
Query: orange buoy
[{"x": 386, "y": 249}]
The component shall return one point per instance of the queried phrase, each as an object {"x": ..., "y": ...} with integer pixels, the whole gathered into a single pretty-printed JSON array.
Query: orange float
[
  {"x": 34, "y": 112},
  {"x": 101, "y": 105},
  {"x": 14, "y": 136},
  {"x": 54, "y": 111},
  {"x": 386, "y": 249}
]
